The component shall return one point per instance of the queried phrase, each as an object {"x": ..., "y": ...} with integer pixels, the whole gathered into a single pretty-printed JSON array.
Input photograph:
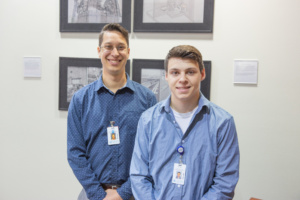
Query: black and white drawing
[
  {"x": 173, "y": 16},
  {"x": 94, "y": 11},
  {"x": 154, "y": 79},
  {"x": 173, "y": 11},
  {"x": 92, "y": 15},
  {"x": 79, "y": 77}
]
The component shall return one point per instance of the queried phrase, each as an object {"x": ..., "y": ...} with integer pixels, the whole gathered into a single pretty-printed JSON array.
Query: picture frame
[
  {"x": 75, "y": 73},
  {"x": 151, "y": 74},
  {"x": 81, "y": 16},
  {"x": 185, "y": 16}
]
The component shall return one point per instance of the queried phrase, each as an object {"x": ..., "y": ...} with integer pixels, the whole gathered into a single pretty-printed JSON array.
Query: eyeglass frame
[{"x": 113, "y": 47}]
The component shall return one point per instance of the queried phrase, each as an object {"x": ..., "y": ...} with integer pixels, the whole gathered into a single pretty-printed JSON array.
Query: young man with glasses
[
  {"x": 109, "y": 106},
  {"x": 186, "y": 147}
]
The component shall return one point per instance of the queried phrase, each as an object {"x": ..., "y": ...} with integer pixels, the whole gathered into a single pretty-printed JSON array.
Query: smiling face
[
  {"x": 184, "y": 78},
  {"x": 114, "y": 61}
]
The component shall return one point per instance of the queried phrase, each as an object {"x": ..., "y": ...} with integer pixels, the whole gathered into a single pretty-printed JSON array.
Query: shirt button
[
  {"x": 174, "y": 122},
  {"x": 179, "y": 186},
  {"x": 183, "y": 141}
]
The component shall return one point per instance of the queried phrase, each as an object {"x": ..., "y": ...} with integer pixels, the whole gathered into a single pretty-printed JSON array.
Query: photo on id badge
[
  {"x": 113, "y": 136},
  {"x": 179, "y": 173}
]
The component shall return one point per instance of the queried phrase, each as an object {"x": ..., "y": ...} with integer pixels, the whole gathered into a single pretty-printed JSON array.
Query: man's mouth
[
  {"x": 114, "y": 62},
  {"x": 183, "y": 89}
]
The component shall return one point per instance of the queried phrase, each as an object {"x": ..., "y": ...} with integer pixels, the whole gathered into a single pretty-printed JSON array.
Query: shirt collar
[
  {"x": 203, "y": 103},
  {"x": 99, "y": 84}
]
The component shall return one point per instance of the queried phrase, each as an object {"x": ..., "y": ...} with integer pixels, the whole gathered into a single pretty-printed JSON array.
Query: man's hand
[{"x": 112, "y": 195}]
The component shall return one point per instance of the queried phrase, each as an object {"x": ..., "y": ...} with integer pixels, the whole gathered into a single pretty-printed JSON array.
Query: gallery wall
[{"x": 33, "y": 160}]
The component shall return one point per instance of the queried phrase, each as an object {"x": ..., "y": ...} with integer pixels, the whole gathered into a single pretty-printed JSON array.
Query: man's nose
[
  {"x": 115, "y": 51},
  {"x": 182, "y": 77}
]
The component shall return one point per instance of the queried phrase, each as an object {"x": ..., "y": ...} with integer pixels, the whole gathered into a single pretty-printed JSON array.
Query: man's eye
[
  {"x": 120, "y": 48},
  {"x": 108, "y": 47},
  {"x": 191, "y": 72},
  {"x": 174, "y": 73}
]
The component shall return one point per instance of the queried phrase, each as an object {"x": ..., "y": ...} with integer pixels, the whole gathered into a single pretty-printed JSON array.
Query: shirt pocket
[{"x": 132, "y": 118}]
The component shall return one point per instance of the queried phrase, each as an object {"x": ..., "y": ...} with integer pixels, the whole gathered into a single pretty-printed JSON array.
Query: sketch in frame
[
  {"x": 79, "y": 77},
  {"x": 93, "y": 15},
  {"x": 173, "y": 16},
  {"x": 154, "y": 79},
  {"x": 151, "y": 74},
  {"x": 95, "y": 11},
  {"x": 173, "y": 11}
]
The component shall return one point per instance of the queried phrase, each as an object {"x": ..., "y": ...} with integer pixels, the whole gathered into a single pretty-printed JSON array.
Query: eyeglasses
[{"x": 109, "y": 48}]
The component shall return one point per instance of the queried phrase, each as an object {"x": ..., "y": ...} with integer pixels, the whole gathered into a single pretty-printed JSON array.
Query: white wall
[{"x": 33, "y": 163}]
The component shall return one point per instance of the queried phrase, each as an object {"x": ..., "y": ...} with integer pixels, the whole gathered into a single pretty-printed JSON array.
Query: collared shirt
[
  {"x": 211, "y": 154},
  {"x": 92, "y": 160}
]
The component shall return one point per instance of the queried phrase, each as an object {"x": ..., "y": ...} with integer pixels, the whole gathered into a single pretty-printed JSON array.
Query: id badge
[
  {"x": 179, "y": 173},
  {"x": 113, "y": 136}
]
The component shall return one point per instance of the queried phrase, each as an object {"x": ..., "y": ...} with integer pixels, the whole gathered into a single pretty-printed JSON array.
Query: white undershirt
[{"x": 183, "y": 119}]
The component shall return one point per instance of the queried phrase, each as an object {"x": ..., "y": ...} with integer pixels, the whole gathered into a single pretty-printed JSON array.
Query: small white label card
[
  {"x": 245, "y": 71},
  {"x": 179, "y": 173},
  {"x": 113, "y": 136},
  {"x": 32, "y": 66}
]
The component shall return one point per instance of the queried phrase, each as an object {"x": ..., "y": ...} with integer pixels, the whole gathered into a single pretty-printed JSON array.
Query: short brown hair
[
  {"x": 113, "y": 27},
  {"x": 185, "y": 52}
]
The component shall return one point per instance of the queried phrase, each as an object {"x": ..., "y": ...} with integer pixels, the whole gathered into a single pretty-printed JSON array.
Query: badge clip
[
  {"x": 112, "y": 123},
  {"x": 180, "y": 150}
]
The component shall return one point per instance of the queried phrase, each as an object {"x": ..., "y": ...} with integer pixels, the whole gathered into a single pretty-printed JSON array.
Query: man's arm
[
  {"x": 125, "y": 191},
  {"x": 76, "y": 150},
  {"x": 141, "y": 181},
  {"x": 152, "y": 100},
  {"x": 112, "y": 195},
  {"x": 227, "y": 169}
]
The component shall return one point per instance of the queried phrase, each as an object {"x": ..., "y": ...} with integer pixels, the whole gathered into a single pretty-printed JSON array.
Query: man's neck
[
  {"x": 114, "y": 82},
  {"x": 184, "y": 106}
]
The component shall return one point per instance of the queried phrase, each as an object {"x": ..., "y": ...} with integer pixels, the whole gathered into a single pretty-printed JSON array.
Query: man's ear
[
  {"x": 203, "y": 74},
  {"x": 98, "y": 50},
  {"x": 128, "y": 51},
  {"x": 166, "y": 75}
]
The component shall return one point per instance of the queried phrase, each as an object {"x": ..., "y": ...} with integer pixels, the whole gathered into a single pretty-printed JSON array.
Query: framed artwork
[
  {"x": 92, "y": 15},
  {"x": 183, "y": 16},
  {"x": 151, "y": 74},
  {"x": 75, "y": 73}
]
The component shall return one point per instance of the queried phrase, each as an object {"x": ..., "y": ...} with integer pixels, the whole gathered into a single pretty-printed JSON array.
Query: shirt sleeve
[
  {"x": 227, "y": 169},
  {"x": 125, "y": 190},
  {"x": 76, "y": 150},
  {"x": 141, "y": 181}
]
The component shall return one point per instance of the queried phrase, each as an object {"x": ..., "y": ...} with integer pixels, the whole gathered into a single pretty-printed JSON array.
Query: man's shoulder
[
  {"x": 141, "y": 89},
  {"x": 153, "y": 112},
  {"x": 84, "y": 91},
  {"x": 218, "y": 112}
]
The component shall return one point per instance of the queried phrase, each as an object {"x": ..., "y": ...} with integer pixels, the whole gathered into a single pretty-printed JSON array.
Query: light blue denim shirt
[{"x": 211, "y": 154}]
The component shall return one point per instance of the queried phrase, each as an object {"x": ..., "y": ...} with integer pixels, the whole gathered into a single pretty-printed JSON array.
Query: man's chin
[
  {"x": 115, "y": 71},
  {"x": 114, "y": 64}
]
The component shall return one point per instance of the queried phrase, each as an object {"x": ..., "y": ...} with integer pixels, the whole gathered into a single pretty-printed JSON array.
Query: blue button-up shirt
[
  {"x": 92, "y": 160},
  {"x": 211, "y": 154}
]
